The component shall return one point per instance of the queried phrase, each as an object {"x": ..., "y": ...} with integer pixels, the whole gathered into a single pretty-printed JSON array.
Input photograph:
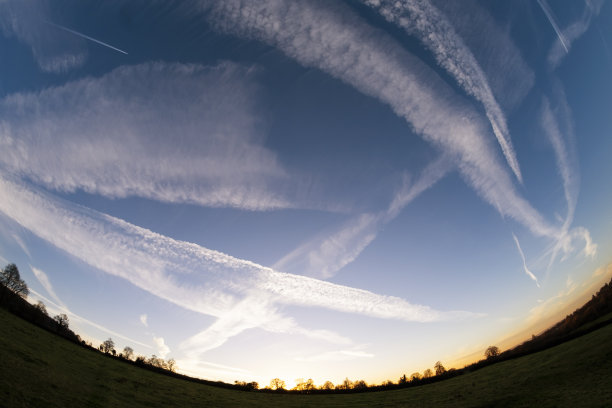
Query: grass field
[{"x": 40, "y": 369}]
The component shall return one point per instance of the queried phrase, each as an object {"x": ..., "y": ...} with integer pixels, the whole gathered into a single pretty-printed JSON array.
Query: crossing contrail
[
  {"x": 87, "y": 37},
  {"x": 553, "y": 22}
]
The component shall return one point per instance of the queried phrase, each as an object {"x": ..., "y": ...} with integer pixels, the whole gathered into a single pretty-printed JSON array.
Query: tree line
[{"x": 13, "y": 293}]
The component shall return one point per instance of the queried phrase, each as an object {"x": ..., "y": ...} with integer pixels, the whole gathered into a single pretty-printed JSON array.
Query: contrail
[
  {"x": 553, "y": 22},
  {"x": 527, "y": 271},
  {"x": 86, "y": 37}
]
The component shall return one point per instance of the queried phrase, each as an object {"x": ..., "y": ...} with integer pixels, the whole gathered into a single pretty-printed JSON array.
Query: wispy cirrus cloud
[
  {"x": 558, "y": 128},
  {"x": 507, "y": 72},
  {"x": 43, "y": 279},
  {"x": 241, "y": 294},
  {"x": 322, "y": 257},
  {"x": 422, "y": 19},
  {"x": 568, "y": 35},
  {"x": 332, "y": 38},
  {"x": 194, "y": 137},
  {"x": 54, "y": 50}
]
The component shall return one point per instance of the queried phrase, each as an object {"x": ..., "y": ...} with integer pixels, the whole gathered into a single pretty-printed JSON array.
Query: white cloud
[
  {"x": 334, "y": 39},
  {"x": 424, "y": 20},
  {"x": 143, "y": 320},
  {"x": 162, "y": 348},
  {"x": 571, "y": 33},
  {"x": 193, "y": 137},
  {"x": 562, "y": 142},
  {"x": 323, "y": 257},
  {"x": 240, "y": 293},
  {"x": 54, "y": 50},
  {"x": 22, "y": 245},
  {"x": 525, "y": 268},
  {"x": 507, "y": 73},
  {"x": 44, "y": 281}
]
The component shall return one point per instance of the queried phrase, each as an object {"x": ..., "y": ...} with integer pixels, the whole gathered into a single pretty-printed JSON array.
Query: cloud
[
  {"x": 571, "y": 33},
  {"x": 54, "y": 50},
  {"x": 323, "y": 257},
  {"x": 193, "y": 137},
  {"x": 22, "y": 245},
  {"x": 423, "y": 19},
  {"x": 240, "y": 293},
  {"x": 143, "y": 320},
  {"x": 527, "y": 271},
  {"x": 162, "y": 348},
  {"x": 508, "y": 75},
  {"x": 43, "y": 279},
  {"x": 207, "y": 369},
  {"x": 553, "y": 22},
  {"x": 334, "y": 39},
  {"x": 562, "y": 141}
]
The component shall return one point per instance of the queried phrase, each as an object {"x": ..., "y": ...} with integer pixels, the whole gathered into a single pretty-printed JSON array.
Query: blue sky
[{"x": 307, "y": 189}]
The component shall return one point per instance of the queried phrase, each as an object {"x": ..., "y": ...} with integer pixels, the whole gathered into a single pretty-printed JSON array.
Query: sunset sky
[{"x": 307, "y": 189}]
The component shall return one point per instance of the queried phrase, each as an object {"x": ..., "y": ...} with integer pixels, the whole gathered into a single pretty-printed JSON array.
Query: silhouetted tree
[
  {"x": 439, "y": 368},
  {"x": 427, "y": 373},
  {"x": 328, "y": 385},
  {"x": 403, "y": 379},
  {"x": 346, "y": 384},
  {"x": 41, "y": 306},
  {"x": 415, "y": 376},
  {"x": 10, "y": 278},
  {"x": 108, "y": 345},
  {"x": 128, "y": 353},
  {"x": 277, "y": 384},
  {"x": 360, "y": 385},
  {"x": 301, "y": 385},
  {"x": 171, "y": 366},
  {"x": 491, "y": 352},
  {"x": 61, "y": 320}
]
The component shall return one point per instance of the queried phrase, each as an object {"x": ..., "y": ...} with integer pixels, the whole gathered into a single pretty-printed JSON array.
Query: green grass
[{"x": 40, "y": 369}]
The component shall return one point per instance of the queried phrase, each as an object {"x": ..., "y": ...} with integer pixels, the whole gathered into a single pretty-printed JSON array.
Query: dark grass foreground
[{"x": 40, "y": 369}]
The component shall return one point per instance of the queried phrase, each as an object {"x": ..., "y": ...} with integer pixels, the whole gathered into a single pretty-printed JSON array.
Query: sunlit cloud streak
[
  {"x": 53, "y": 50},
  {"x": 242, "y": 294},
  {"x": 86, "y": 37},
  {"x": 572, "y": 32},
  {"x": 525, "y": 268},
  {"x": 323, "y": 257},
  {"x": 508, "y": 74},
  {"x": 332, "y": 38},
  {"x": 194, "y": 137},
  {"x": 558, "y": 128},
  {"x": 424, "y": 20}
]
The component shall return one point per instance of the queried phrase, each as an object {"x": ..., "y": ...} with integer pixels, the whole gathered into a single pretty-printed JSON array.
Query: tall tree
[
  {"x": 491, "y": 352},
  {"x": 439, "y": 368},
  {"x": 11, "y": 279},
  {"x": 108, "y": 345},
  {"x": 128, "y": 353},
  {"x": 61, "y": 320},
  {"x": 277, "y": 384}
]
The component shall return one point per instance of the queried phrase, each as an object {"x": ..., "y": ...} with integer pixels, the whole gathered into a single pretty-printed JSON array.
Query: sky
[{"x": 307, "y": 189}]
